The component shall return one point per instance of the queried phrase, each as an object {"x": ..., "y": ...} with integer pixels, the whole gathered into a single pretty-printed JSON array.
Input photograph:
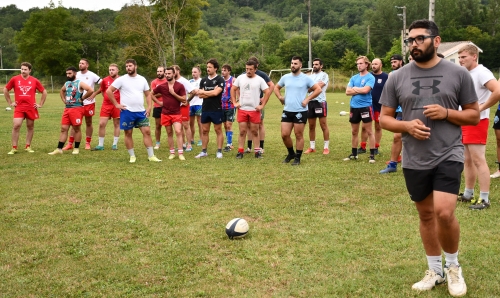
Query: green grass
[{"x": 94, "y": 225}]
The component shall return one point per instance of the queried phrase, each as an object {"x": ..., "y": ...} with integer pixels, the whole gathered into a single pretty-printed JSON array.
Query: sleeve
[
  {"x": 156, "y": 90},
  {"x": 388, "y": 97},
  {"x": 236, "y": 82},
  {"x": 351, "y": 83},
  {"x": 201, "y": 84},
  {"x": 281, "y": 82},
  {"x": 182, "y": 90},
  {"x": 371, "y": 81},
  {"x": 467, "y": 92},
  {"x": 325, "y": 79},
  {"x": 39, "y": 86},
  {"x": 145, "y": 85},
  {"x": 310, "y": 82},
  {"x": 102, "y": 87},
  {"x": 221, "y": 83},
  {"x": 188, "y": 87},
  {"x": 486, "y": 76},
  {"x": 97, "y": 79},
  {"x": 117, "y": 83},
  {"x": 10, "y": 84},
  {"x": 265, "y": 77},
  {"x": 263, "y": 85}
]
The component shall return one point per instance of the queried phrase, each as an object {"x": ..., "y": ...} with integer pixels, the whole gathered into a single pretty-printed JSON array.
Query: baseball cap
[{"x": 396, "y": 57}]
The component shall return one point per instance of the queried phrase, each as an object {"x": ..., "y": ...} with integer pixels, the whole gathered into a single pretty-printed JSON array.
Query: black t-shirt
[{"x": 214, "y": 103}]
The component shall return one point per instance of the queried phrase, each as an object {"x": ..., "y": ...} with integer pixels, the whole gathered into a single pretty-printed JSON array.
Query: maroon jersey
[{"x": 170, "y": 103}]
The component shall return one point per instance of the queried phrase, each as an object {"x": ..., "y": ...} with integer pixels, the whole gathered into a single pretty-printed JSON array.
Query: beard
[
  {"x": 315, "y": 70},
  {"x": 295, "y": 70},
  {"x": 160, "y": 76},
  {"x": 423, "y": 56},
  {"x": 72, "y": 78},
  {"x": 131, "y": 71},
  {"x": 170, "y": 79}
]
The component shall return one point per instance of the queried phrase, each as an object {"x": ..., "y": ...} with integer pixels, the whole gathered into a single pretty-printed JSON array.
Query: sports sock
[
  {"x": 151, "y": 151},
  {"x": 327, "y": 144},
  {"x": 257, "y": 150},
  {"x": 229, "y": 137},
  {"x": 451, "y": 259},
  {"x": 393, "y": 164},
  {"x": 312, "y": 144},
  {"x": 377, "y": 145},
  {"x": 249, "y": 144},
  {"x": 261, "y": 144},
  {"x": 484, "y": 196},
  {"x": 363, "y": 145},
  {"x": 298, "y": 154},
  {"x": 77, "y": 145},
  {"x": 204, "y": 150},
  {"x": 180, "y": 151},
  {"x": 88, "y": 140},
  {"x": 468, "y": 193},
  {"x": 219, "y": 150},
  {"x": 354, "y": 151},
  {"x": 131, "y": 152},
  {"x": 172, "y": 150},
  {"x": 115, "y": 140},
  {"x": 27, "y": 145},
  {"x": 14, "y": 147},
  {"x": 290, "y": 151},
  {"x": 372, "y": 152},
  {"x": 157, "y": 142},
  {"x": 60, "y": 145},
  {"x": 241, "y": 150},
  {"x": 435, "y": 263},
  {"x": 101, "y": 142},
  {"x": 71, "y": 140}
]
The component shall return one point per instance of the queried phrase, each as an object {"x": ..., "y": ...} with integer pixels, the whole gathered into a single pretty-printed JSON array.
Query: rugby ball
[
  {"x": 8, "y": 109},
  {"x": 237, "y": 228},
  {"x": 343, "y": 113}
]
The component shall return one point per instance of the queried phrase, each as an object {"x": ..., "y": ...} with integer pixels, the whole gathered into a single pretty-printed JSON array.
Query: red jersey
[
  {"x": 105, "y": 83},
  {"x": 24, "y": 90},
  {"x": 154, "y": 84},
  {"x": 170, "y": 103}
]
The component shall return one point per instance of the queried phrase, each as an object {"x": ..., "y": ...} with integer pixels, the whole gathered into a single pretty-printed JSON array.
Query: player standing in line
[
  {"x": 360, "y": 87},
  {"x": 317, "y": 108},
  {"x": 89, "y": 78},
  {"x": 25, "y": 105},
  {"x": 172, "y": 94},
  {"x": 474, "y": 137},
  {"x": 195, "y": 103},
  {"x": 249, "y": 105},
  {"x": 108, "y": 110},
  {"x": 133, "y": 87},
  {"x": 186, "y": 128},
  {"x": 73, "y": 94},
  {"x": 295, "y": 104},
  {"x": 433, "y": 152},
  {"x": 496, "y": 126},
  {"x": 211, "y": 91},
  {"x": 228, "y": 109},
  {"x": 160, "y": 79}
]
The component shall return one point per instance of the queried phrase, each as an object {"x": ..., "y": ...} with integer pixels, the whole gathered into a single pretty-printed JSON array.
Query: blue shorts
[
  {"x": 129, "y": 120},
  {"x": 213, "y": 117},
  {"x": 195, "y": 110}
]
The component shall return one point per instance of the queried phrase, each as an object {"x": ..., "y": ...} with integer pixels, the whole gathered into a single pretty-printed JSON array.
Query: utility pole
[
  {"x": 309, "y": 63},
  {"x": 368, "y": 41},
  {"x": 431, "y": 9},
  {"x": 403, "y": 34}
]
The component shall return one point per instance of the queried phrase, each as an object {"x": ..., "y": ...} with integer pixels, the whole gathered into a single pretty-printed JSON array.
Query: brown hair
[
  {"x": 131, "y": 61},
  {"x": 367, "y": 61},
  {"x": 27, "y": 64}
]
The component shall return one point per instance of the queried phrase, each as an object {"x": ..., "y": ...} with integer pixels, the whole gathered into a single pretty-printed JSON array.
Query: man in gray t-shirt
[{"x": 430, "y": 90}]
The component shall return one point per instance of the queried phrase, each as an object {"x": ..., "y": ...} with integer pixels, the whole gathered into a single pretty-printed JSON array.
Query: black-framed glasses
[{"x": 419, "y": 39}]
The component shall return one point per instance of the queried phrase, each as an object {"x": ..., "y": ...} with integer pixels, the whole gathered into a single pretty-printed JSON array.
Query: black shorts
[
  {"x": 445, "y": 178},
  {"x": 228, "y": 115},
  {"x": 316, "y": 109},
  {"x": 294, "y": 117},
  {"x": 211, "y": 117},
  {"x": 361, "y": 114},
  {"x": 496, "y": 121},
  {"x": 157, "y": 112}
]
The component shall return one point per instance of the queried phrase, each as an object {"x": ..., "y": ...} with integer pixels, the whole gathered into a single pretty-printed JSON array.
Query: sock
[
  {"x": 435, "y": 263},
  {"x": 372, "y": 152},
  {"x": 290, "y": 151},
  {"x": 249, "y": 144},
  {"x": 88, "y": 140},
  {"x": 229, "y": 137},
  {"x": 377, "y": 145},
  {"x": 101, "y": 142},
  {"x": 77, "y": 144},
  {"x": 468, "y": 193},
  {"x": 60, "y": 145},
  {"x": 180, "y": 151},
  {"x": 14, "y": 147},
  {"x": 204, "y": 150},
  {"x": 484, "y": 196},
  {"x": 327, "y": 143},
  {"x": 354, "y": 151},
  {"x": 27, "y": 145},
  {"x": 131, "y": 152},
  {"x": 157, "y": 142},
  {"x": 71, "y": 140},
  {"x": 219, "y": 150},
  {"x": 312, "y": 144},
  {"x": 172, "y": 150},
  {"x": 115, "y": 140},
  {"x": 150, "y": 151},
  {"x": 261, "y": 144},
  {"x": 257, "y": 150},
  {"x": 298, "y": 154},
  {"x": 393, "y": 164},
  {"x": 451, "y": 259},
  {"x": 241, "y": 150},
  {"x": 363, "y": 145}
]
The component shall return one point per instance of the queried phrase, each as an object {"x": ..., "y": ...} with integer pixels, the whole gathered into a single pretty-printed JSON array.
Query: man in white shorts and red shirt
[
  {"x": 25, "y": 105},
  {"x": 160, "y": 79},
  {"x": 474, "y": 137},
  {"x": 249, "y": 105}
]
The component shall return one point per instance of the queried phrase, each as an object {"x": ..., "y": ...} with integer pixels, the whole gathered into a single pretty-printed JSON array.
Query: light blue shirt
[
  {"x": 362, "y": 100},
  {"x": 320, "y": 77},
  {"x": 296, "y": 91}
]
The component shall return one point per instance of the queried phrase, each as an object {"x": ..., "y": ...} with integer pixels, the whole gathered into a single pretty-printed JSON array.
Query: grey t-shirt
[{"x": 412, "y": 87}]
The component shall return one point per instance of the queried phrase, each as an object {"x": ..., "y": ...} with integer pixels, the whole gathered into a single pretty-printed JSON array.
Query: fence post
[{"x": 52, "y": 84}]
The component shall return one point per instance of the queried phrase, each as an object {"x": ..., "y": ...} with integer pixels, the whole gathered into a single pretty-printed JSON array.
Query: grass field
[{"x": 93, "y": 225}]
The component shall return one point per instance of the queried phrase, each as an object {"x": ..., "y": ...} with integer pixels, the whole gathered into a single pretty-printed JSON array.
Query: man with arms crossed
[
  {"x": 249, "y": 105},
  {"x": 132, "y": 88},
  {"x": 172, "y": 94},
  {"x": 25, "y": 105},
  {"x": 474, "y": 137},
  {"x": 433, "y": 152},
  {"x": 73, "y": 94},
  {"x": 295, "y": 111},
  {"x": 186, "y": 129},
  {"x": 317, "y": 108},
  {"x": 195, "y": 103},
  {"x": 160, "y": 79},
  {"x": 108, "y": 110},
  {"x": 211, "y": 91}
]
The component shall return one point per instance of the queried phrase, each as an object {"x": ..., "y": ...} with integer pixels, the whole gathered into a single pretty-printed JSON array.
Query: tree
[
  {"x": 270, "y": 35},
  {"x": 348, "y": 61},
  {"x": 297, "y": 45},
  {"x": 343, "y": 39}
]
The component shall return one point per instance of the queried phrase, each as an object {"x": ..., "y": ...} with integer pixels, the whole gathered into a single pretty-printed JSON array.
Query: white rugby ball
[
  {"x": 8, "y": 108},
  {"x": 237, "y": 228},
  {"x": 343, "y": 113}
]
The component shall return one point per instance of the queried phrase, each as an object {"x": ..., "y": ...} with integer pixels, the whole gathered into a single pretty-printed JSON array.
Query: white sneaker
[
  {"x": 171, "y": 156},
  {"x": 219, "y": 155},
  {"x": 496, "y": 174},
  {"x": 156, "y": 147},
  {"x": 202, "y": 154},
  {"x": 430, "y": 280},
  {"x": 456, "y": 282}
]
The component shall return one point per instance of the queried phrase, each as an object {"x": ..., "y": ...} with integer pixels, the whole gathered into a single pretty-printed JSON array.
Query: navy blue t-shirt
[{"x": 380, "y": 80}]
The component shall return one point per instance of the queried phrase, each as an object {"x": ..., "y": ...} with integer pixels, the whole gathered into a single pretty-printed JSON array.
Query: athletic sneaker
[
  {"x": 68, "y": 147},
  {"x": 57, "y": 151},
  {"x": 351, "y": 157},
  {"x": 202, "y": 154},
  {"x": 156, "y": 147},
  {"x": 258, "y": 155},
  {"x": 239, "y": 155},
  {"x": 309, "y": 150},
  {"x": 228, "y": 148},
  {"x": 98, "y": 148},
  {"x": 288, "y": 158},
  {"x": 399, "y": 160},
  {"x": 29, "y": 150},
  {"x": 154, "y": 158},
  {"x": 114, "y": 147},
  {"x": 181, "y": 157},
  {"x": 480, "y": 205},
  {"x": 13, "y": 151},
  {"x": 199, "y": 143},
  {"x": 326, "y": 151},
  {"x": 189, "y": 148},
  {"x": 430, "y": 280},
  {"x": 389, "y": 169},
  {"x": 87, "y": 146},
  {"x": 372, "y": 159},
  {"x": 218, "y": 155},
  {"x": 132, "y": 159},
  {"x": 248, "y": 150},
  {"x": 456, "y": 282},
  {"x": 262, "y": 150},
  {"x": 361, "y": 150},
  {"x": 496, "y": 174},
  {"x": 463, "y": 198},
  {"x": 171, "y": 156},
  {"x": 296, "y": 161},
  {"x": 76, "y": 151}
]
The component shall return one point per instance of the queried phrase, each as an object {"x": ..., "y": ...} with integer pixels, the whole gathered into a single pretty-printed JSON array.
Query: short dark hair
[
  {"x": 429, "y": 26},
  {"x": 227, "y": 67},
  {"x": 72, "y": 68},
  {"x": 319, "y": 60},
  {"x": 214, "y": 62},
  {"x": 27, "y": 64},
  {"x": 297, "y": 58},
  {"x": 161, "y": 67},
  {"x": 169, "y": 68},
  {"x": 254, "y": 59},
  {"x": 252, "y": 62},
  {"x": 131, "y": 61}
]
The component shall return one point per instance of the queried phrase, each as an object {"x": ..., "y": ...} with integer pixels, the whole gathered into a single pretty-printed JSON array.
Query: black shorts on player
[
  {"x": 294, "y": 117},
  {"x": 228, "y": 115},
  {"x": 157, "y": 112},
  {"x": 496, "y": 121},
  {"x": 316, "y": 109},
  {"x": 361, "y": 114},
  {"x": 211, "y": 117},
  {"x": 445, "y": 177}
]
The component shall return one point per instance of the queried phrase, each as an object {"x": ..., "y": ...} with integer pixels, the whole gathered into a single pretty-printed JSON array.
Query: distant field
[{"x": 94, "y": 225}]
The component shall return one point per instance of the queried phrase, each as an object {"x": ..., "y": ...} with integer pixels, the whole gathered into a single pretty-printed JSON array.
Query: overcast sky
[{"x": 82, "y": 4}]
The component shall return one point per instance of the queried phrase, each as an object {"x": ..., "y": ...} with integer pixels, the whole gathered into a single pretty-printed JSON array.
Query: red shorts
[
  {"x": 476, "y": 134},
  {"x": 89, "y": 110},
  {"x": 73, "y": 116},
  {"x": 109, "y": 111},
  {"x": 185, "y": 113},
  {"x": 249, "y": 116},
  {"x": 26, "y": 113},
  {"x": 168, "y": 120},
  {"x": 376, "y": 116}
]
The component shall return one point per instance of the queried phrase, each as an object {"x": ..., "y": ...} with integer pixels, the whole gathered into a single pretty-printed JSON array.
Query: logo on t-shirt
[
  {"x": 434, "y": 87},
  {"x": 24, "y": 89}
]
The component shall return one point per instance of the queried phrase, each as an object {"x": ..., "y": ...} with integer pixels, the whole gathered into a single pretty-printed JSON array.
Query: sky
[{"x": 82, "y": 4}]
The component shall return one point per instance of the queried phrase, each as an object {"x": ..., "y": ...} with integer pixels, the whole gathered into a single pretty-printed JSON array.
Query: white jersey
[
  {"x": 320, "y": 77},
  {"x": 250, "y": 89},
  {"x": 196, "y": 101},
  {"x": 90, "y": 79},
  {"x": 132, "y": 91},
  {"x": 187, "y": 86},
  {"x": 481, "y": 75}
]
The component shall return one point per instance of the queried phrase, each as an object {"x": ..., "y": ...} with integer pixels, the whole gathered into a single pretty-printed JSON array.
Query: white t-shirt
[
  {"x": 187, "y": 86},
  {"x": 250, "y": 91},
  {"x": 132, "y": 91},
  {"x": 481, "y": 75},
  {"x": 90, "y": 79},
  {"x": 320, "y": 77},
  {"x": 196, "y": 101}
]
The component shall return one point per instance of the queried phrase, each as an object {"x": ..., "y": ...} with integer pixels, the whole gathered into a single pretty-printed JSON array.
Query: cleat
[
  {"x": 156, "y": 147},
  {"x": 189, "y": 148},
  {"x": 75, "y": 151},
  {"x": 132, "y": 159},
  {"x": 154, "y": 158},
  {"x": 87, "y": 146},
  {"x": 218, "y": 155},
  {"x": 29, "y": 150},
  {"x": 389, "y": 169},
  {"x": 296, "y": 161},
  {"x": 114, "y": 147},
  {"x": 456, "y": 282},
  {"x": 326, "y": 151},
  {"x": 480, "y": 205},
  {"x": 228, "y": 148},
  {"x": 495, "y": 175},
  {"x": 171, "y": 156},
  {"x": 288, "y": 158},
  {"x": 248, "y": 150},
  {"x": 376, "y": 151},
  {"x": 463, "y": 198},
  {"x": 361, "y": 150},
  {"x": 309, "y": 150},
  {"x": 372, "y": 159},
  {"x": 258, "y": 155},
  {"x": 57, "y": 151},
  {"x": 430, "y": 280},
  {"x": 192, "y": 142},
  {"x": 351, "y": 157},
  {"x": 12, "y": 152},
  {"x": 239, "y": 155},
  {"x": 98, "y": 148},
  {"x": 68, "y": 147},
  {"x": 262, "y": 150},
  {"x": 199, "y": 143},
  {"x": 181, "y": 157},
  {"x": 202, "y": 154}
]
